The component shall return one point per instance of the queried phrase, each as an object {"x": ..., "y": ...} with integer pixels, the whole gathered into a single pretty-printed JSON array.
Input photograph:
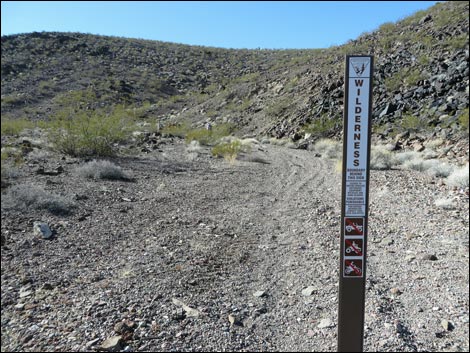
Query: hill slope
[{"x": 421, "y": 69}]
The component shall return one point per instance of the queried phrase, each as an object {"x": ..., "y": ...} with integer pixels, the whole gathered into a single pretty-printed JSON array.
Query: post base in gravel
[{"x": 351, "y": 332}]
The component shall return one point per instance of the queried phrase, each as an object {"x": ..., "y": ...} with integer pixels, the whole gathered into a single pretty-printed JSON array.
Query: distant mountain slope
[{"x": 421, "y": 70}]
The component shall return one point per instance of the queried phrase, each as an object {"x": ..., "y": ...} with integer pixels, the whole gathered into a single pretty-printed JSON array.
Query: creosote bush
[
  {"x": 15, "y": 126},
  {"x": 323, "y": 127},
  {"x": 91, "y": 132},
  {"x": 177, "y": 130},
  {"x": 209, "y": 137},
  {"x": 228, "y": 150},
  {"x": 463, "y": 120}
]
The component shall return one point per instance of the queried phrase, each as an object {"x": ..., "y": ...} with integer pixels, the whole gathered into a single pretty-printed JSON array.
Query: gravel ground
[{"x": 198, "y": 254}]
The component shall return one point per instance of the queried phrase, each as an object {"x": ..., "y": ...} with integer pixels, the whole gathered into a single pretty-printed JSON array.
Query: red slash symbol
[
  {"x": 353, "y": 246},
  {"x": 354, "y": 226},
  {"x": 352, "y": 267}
]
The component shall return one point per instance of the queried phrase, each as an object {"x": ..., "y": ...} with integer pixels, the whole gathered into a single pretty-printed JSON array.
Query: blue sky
[{"x": 230, "y": 24}]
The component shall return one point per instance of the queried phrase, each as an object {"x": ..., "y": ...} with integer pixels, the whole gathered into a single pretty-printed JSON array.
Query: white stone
[{"x": 42, "y": 229}]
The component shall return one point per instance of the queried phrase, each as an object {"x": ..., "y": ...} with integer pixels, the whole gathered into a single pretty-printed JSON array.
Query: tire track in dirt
[
  {"x": 226, "y": 231},
  {"x": 299, "y": 182}
]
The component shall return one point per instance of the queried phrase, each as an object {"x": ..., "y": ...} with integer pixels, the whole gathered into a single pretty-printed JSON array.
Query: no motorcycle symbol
[{"x": 352, "y": 268}]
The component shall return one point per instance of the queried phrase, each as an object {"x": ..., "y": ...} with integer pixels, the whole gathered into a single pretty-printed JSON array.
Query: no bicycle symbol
[{"x": 353, "y": 226}]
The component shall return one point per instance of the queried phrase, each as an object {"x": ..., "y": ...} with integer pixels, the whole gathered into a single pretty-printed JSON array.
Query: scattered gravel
[{"x": 202, "y": 255}]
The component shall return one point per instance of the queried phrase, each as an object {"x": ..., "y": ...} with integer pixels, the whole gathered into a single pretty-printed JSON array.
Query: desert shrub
[
  {"x": 328, "y": 148},
  {"x": 46, "y": 87},
  {"x": 387, "y": 27},
  {"x": 323, "y": 127},
  {"x": 413, "y": 77},
  {"x": 403, "y": 157},
  {"x": 429, "y": 154},
  {"x": 463, "y": 120},
  {"x": 403, "y": 78},
  {"x": 411, "y": 123},
  {"x": 24, "y": 198},
  {"x": 12, "y": 155},
  {"x": 203, "y": 136},
  {"x": 39, "y": 155},
  {"x": 459, "y": 177},
  {"x": 102, "y": 170},
  {"x": 458, "y": 42},
  {"x": 381, "y": 158},
  {"x": 90, "y": 132},
  {"x": 209, "y": 137},
  {"x": 15, "y": 126},
  {"x": 278, "y": 107},
  {"x": 437, "y": 168},
  {"x": 416, "y": 164},
  {"x": 229, "y": 150},
  {"x": 11, "y": 100},
  {"x": 177, "y": 130},
  {"x": 393, "y": 83},
  {"x": 432, "y": 167},
  {"x": 5, "y": 167}
]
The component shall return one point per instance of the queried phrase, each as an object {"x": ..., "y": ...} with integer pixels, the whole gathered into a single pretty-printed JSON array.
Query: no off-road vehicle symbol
[{"x": 353, "y": 226}]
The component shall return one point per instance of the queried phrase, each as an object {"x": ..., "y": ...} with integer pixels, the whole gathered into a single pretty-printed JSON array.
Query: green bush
[
  {"x": 411, "y": 123},
  {"x": 177, "y": 130},
  {"x": 323, "y": 127},
  {"x": 90, "y": 132},
  {"x": 458, "y": 42},
  {"x": 403, "y": 78},
  {"x": 278, "y": 107},
  {"x": 15, "y": 126},
  {"x": 413, "y": 76},
  {"x": 209, "y": 137},
  {"x": 13, "y": 100},
  {"x": 229, "y": 151},
  {"x": 46, "y": 86},
  {"x": 463, "y": 120},
  {"x": 387, "y": 27}
]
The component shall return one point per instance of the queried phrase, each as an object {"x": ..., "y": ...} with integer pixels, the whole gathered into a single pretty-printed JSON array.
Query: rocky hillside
[{"x": 421, "y": 79}]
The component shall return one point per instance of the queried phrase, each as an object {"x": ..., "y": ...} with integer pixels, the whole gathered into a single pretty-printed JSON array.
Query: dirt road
[{"x": 252, "y": 246}]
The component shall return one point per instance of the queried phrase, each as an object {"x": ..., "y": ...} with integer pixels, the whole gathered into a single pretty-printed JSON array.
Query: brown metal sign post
[{"x": 355, "y": 201}]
